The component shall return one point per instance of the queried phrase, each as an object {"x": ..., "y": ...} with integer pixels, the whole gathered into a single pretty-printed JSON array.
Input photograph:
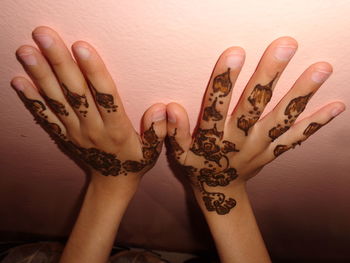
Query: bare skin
[
  {"x": 225, "y": 151},
  {"x": 78, "y": 105}
]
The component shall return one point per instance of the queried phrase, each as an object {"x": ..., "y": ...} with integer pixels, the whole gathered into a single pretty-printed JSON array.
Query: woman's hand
[
  {"x": 226, "y": 151},
  {"x": 78, "y": 105}
]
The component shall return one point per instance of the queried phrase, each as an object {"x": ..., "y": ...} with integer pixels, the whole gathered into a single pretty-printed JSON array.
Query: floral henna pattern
[
  {"x": 104, "y": 100},
  {"x": 218, "y": 172},
  {"x": 56, "y": 106},
  {"x": 106, "y": 163},
  {"x": 259, "y": 98},
  {"x": 211, "y": 113},
  {"x": 295, "y": 107},
  {"x": 150, "y": 152},
  {"x": 76, "y": 100},
  {"x": 206, "y": 144}
]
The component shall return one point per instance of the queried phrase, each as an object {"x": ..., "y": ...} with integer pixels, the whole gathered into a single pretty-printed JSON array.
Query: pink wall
[{"x": 164, "y": 51}]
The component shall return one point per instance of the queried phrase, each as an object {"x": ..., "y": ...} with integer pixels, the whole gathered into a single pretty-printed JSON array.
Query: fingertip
[
  {"x": 17, "y": 83},
  {"x": 286, "y": 41},
  {"x": 338, "y": 108},
  {"x": 156, "y": 116}
]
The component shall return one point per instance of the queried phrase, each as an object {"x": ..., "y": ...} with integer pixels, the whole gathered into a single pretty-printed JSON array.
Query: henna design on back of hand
[
  {"x": 107, "y": 164},
  {"x": 295, "y": 107},
  {"x": 76, "y": 100},
  {"x": 258, "y": 99}
]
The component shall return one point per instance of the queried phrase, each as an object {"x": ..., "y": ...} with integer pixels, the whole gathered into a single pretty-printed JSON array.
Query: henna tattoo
[
  {"x": 56, "y": 106},
  {"x": 218, "y": 171},
  {"x": 222, "y": 83},
  {"x": 295, "y": 107},
  {"x": 150, "y": 152},
  {"x": 279, "y": 149},
  {"x": 106, "y": 163},
  {"x": 211, "y": 113},
  {"x": 133, "y": 166},
  {"x": 104, "y": 100},
  {"x": 37, "y": 108},
  {"x": 312, "y": 128},
  {"x": 218, "y": 202},
  {"x": 258, "y": 99},
  {"x": 277, "y": 131},
  {"x": 176, "y": 148},
  {"x": 76, "y": 100},
  {"x": 205, "y": 144},
  {"x": 229, "y": 147},
  {"x": 245, "y": 123}
]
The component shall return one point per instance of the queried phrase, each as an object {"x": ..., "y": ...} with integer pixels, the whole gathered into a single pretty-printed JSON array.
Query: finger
[
  {"x": 100, "y": 82},
  {"x": 302, "y": 130},
  {"x": 178, "y": 128},
  {"x": 35, "y": 103},
  {"x": 294, "y": 102},
  {"x": 218, "y": 95},
  {"x": 258, "y": 91},
  {"x": 72, "y": 81},
  {"x": 41, "y": 74},
  {"x": 153, "y": 131}
]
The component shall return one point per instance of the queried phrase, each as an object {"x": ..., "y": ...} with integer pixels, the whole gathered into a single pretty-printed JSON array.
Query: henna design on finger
[
  {"x": 56, "y": 106},
  {"x": 222, "y": 84},
  {"x": 76, "y": 100},
  {"x": 245, "y": 123},
  {"x": 229, "y": 147},
  {"x": 37, "y": 108},
  {"x": 104, "y": 100},
  {"x": 294, "y": 108},
  {"x": 175, "y": 146},
  {"x": 258, "y": 99},
  {"x": 150, "y": 151},
  {"x": 279, "y": 149},
  {"x": 312, "y": 128},
  {"x": 211, "y": 113}
]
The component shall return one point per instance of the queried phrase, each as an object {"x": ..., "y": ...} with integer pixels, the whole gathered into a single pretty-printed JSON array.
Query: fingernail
[
  {"x": 27, "y": 56},
  {"x": 45, "y": 41},
  {"x": 18, "y": 85},
  {"x": 171, "y": 117},
  {"x": 320, "y": 76},
  {"x": 82, "y": 52},
  {"x": 235, "y": 61},
  {"x": 284, "y": 53},
  {"x": 336, "y": 111},
  {"x": 159, "y": 115}
]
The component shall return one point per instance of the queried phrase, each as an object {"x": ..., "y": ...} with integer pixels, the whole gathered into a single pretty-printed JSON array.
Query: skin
[
  {"x": 226, "y": 150},
  {"x": 78, "y": 105}
]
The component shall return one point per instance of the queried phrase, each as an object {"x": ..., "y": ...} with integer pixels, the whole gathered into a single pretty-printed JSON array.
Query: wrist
[{"x": 114, "y": 186}]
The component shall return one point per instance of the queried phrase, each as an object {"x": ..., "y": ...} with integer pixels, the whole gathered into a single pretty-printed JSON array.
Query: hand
[
  {"x": 226, "y": 151},
  {"x": 78, "y": 105}
]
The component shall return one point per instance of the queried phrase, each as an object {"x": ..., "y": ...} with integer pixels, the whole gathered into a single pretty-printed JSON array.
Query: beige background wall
[{"x": 165, "y": 51}]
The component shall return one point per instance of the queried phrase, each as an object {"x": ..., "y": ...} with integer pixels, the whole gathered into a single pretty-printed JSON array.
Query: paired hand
[{"x": 78, "y": 105}]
